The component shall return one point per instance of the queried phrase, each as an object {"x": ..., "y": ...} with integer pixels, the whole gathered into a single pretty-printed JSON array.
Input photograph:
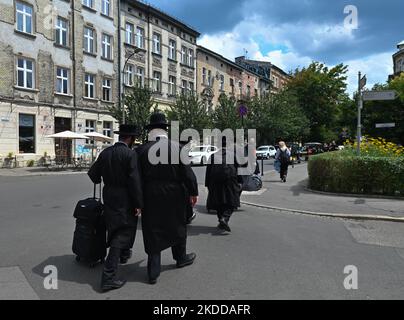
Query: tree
[
  {"x": 319, "y": 90},
  {"x": 190, "y": 111},
  {"x": 139, "y": 105},
  {"x": 225, "y": 115}
]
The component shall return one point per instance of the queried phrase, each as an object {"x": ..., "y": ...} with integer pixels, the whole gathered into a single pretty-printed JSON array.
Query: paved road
[{"x": 269, "y": 255}]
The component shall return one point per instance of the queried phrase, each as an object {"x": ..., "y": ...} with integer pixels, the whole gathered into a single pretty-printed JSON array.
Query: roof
[
  {"x": 145, "y": 6},
  {"x": 400, "y": 44},
  {"x": 220, "y": 57}
]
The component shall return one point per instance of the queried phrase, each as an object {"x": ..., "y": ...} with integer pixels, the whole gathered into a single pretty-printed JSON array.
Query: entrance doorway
[{"x": 63, "y": 147}]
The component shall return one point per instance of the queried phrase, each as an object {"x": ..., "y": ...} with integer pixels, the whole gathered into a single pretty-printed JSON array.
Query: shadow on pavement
[
  {"x": 71, "y": 271},
  {"x": 198, "y": 230}
]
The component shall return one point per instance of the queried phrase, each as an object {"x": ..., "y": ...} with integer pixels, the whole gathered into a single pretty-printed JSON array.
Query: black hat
[
  {"x": 158, "y": 120},
  {"x": 127, "y": 130}
]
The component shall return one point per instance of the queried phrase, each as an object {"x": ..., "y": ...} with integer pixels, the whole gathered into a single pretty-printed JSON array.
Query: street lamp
[{"x": 122, "y": 96}]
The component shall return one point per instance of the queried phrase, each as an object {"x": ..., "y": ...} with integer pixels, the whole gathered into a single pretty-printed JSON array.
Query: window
[
  {"x": 183, "y": 87},
  {"x": 209, "y": 78},
  {"x": 156, "y": 81},
  {"x": 240, "y": 87},
  {"x": 156, "y": 43},
  {"x": 172, "y": 53},
  {"x": 89, "y": 40},
  {"x": 106, "y": 7},
  {"x": 128, "y": 77},
  {"x": 106, "y": 90},
  {"x": 191, "y": 87},
  {"x": 140, "y": 37},
  {"x": 140, "y": 76},
  {"x": 106, "y": 46},
  {"x": 248, "y": 91},
  {"x": 89, "y": 86},
  {"x": 130, "y": 30},
  {"x": 90, "y": 127},
  {"x": 172, "y": 84},
  {"x": 62, "y": 81},
  {"x": 232, "y": 85},
  {"x": 203, "y": 75},
  {"x": 191, "y": 57},
  {"x": 107, "y": 130},
  {"x": 221, "y": 84},
  {"x": 25, "y": 73},
  {"x": 26, "y": 133},
  {"x": 88, "y": 3},
  {"x": 184, "y": 57},
  {"x": 24, "y": 17},
  {"x": 61, "y": 29}
]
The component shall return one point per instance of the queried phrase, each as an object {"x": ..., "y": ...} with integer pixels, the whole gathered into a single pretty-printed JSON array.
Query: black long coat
[
  {"x": 224, "y": 194},
  {"x": 122, "y": 193},
  {"x": 166, "y": 189}
]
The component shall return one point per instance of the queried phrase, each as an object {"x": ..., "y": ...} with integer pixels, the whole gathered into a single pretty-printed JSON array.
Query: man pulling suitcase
[{"x": 122, "y": 194}]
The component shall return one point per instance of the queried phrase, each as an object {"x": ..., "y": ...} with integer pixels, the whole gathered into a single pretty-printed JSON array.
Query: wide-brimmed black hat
[
  {"x": 127, "y": 130},
  {"x": 157, "y": 120}
]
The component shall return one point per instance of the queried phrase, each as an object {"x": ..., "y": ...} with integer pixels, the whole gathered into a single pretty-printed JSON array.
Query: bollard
[{"x": 262, "y": 167}]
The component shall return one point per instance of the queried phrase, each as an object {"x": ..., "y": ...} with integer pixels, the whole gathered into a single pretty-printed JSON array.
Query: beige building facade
[{"x": 398, "y": 60}]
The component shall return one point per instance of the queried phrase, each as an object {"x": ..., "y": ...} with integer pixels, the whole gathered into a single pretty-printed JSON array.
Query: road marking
[
  {"x": 14, "y": 285},
  {"x": 254, "y": 193}
]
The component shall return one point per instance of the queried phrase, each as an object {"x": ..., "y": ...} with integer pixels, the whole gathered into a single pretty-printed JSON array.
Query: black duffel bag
[
  {"x": 89, "y": 210},
  {"x": 252, "y": 183}
]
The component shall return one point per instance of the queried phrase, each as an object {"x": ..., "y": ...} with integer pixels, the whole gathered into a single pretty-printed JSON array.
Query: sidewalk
[
  {"x": 294, "y": 196},
  {"x": 37, "y": 171}
]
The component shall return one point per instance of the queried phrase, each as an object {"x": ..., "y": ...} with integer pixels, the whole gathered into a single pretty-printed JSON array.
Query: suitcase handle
[{"x": 95, "y": 191}]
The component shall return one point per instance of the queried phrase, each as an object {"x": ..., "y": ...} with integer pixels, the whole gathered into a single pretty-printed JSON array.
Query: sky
[{"x": 293, "y": 33}]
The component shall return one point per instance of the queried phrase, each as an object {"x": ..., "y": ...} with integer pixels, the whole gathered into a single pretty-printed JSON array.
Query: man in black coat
[
  {"x": 122, "y": 195},
  {"x": 167, "y": 186},
  {"x": 223, "y": 184}
]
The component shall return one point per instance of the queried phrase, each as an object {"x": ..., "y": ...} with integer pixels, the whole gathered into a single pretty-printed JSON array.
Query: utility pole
[
  {"x": 121, "y": 105},
  {"x": 360, "y": 104}
]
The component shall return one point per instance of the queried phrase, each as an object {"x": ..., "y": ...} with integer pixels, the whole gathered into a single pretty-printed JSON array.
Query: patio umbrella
[
  {"x": 95, "y": 136},
  {"x": 67, "y": 135}
]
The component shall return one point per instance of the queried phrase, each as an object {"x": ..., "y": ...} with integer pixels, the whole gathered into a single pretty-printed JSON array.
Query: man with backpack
[
  {"x": 283, "y": 157},
  {"x": 223, "y": 184}
]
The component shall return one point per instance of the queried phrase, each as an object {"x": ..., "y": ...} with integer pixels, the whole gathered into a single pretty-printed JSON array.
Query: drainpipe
[
  {"x": 121, "y": 105},
  {"x": 73, "y": 33}
]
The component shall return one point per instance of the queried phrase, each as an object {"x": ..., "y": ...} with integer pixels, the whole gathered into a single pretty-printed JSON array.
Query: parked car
[
  {"x": 201, "y": 154},
  {"x": 311, "y": 148},
  {"x": 266, "y": 152}
]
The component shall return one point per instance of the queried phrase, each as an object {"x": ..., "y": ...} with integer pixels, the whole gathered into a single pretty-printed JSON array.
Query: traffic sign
[
  {"x": 363, "y": 82},
  {"x": 385, "y": 125},
  {"x": 379, "y": 95}
]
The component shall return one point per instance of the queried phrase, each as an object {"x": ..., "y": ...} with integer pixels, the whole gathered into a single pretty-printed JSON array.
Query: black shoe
[
  {"x": 192, "y": 218},
  {"x": 112, "y": 284},
  {"x": 187, "y": 261},
  {"x": 224, "y": 225},
  {"x": 152, "y": 281}
]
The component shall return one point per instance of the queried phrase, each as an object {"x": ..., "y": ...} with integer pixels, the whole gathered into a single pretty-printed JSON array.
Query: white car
[
  {"x": 266, "y": 152},
  {"x": 201, "y": 154}
]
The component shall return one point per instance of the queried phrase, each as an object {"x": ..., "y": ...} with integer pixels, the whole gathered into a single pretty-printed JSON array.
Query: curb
[
  {"x": 352, "y": 195},
  {"x": 329, "y": 215},
  {"x": 42, "y": 174}
]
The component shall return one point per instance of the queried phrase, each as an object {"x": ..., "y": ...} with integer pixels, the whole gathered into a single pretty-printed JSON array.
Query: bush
[
  {"x": 30, "y": 163},
  {"x": 342, "y": 172}
]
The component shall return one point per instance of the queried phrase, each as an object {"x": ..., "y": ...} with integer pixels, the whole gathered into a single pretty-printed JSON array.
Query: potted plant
[{"x": 9, "y": 160}]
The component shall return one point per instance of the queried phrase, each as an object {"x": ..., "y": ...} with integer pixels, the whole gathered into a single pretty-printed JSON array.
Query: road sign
[
  {"x": 363, "y": 82},
  {"x": 379, "y": 95},
  {"x": 385, "y": 125}
]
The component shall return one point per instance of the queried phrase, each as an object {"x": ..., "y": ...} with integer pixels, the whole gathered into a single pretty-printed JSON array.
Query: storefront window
[{"x": 26, "y": 133}]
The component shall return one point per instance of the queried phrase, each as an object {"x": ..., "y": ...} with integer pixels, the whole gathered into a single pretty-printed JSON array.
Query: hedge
[{"x": 340, "y": 173}]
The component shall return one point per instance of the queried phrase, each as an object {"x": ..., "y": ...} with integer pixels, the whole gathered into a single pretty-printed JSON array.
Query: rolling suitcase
[{"x": 89, "y": 240}]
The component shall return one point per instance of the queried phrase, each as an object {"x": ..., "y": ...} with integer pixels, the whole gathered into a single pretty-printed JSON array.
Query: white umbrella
[
  {"x": 67, "y": 135},
  {"x": 98, "y": 137}
]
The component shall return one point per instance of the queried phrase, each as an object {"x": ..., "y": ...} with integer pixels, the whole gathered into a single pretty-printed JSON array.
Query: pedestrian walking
[
  {"x": 117, "y": 167},
  {"x": 167, "y": 186},
  {"x": 223, "y": 184},
  {"x": 283, "y": 157},
  {"x": 190, "y": 213}
]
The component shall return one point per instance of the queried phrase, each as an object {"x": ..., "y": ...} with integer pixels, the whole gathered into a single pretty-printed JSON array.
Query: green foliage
[
  {"x": 139, "y": 105},
  {"x": 319, "y": 91},
  {"x": 342, "y": 172},
  {"x": 30, "y": 163},
  {"x": 225, "y": 115},
  {"x": 190, "y": 111}
]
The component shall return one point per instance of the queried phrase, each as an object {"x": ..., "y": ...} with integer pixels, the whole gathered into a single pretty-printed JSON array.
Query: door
[{"x": 63, "y": 147}]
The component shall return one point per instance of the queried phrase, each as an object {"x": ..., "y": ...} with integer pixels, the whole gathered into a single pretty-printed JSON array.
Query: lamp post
[{"x": 122, "y": 96}]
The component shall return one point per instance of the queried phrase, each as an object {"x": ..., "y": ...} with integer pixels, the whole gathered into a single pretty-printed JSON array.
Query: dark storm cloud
[{"x": 381, "y": 22}]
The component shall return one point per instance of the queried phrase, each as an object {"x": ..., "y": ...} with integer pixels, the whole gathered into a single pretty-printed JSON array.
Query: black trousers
[
  {"x": 111, "y": 263},
  {"x": 225, "y": 212},
  {"x": 284, "y": 170},
  {"x": 154, "y": 260}
]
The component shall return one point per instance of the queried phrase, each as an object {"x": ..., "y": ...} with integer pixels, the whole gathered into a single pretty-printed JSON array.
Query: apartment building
[
  {"x": 398, "y": 60},
  {"x": 58, "y": 72},
  {"x": 217, "y": 75},
  {"x": 159, "y": 51},
  {"x": 267, "y": 72}
]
